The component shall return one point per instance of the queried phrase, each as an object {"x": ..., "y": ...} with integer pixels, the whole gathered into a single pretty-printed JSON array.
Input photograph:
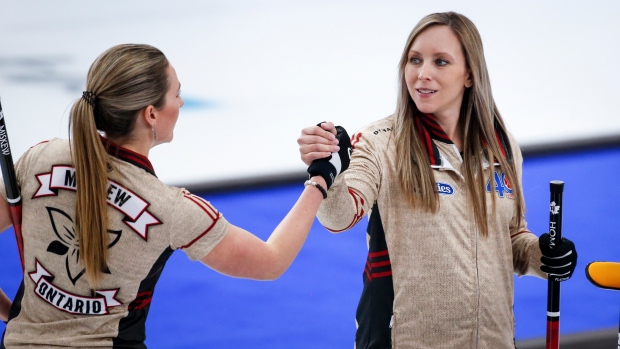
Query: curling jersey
[
  {"x": 55, "y": 307},
  {"x": 431, "y": 280}
]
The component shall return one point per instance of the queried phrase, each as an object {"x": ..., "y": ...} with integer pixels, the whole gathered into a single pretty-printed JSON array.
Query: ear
[
  {"x": 469, "y": 82},
  {"x": 149, "y": 115}
]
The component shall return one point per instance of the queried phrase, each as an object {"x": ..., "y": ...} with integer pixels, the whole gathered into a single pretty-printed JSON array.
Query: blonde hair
[
  {"x": 122, "y": 81},
  {"x": 479, "y": 118}
]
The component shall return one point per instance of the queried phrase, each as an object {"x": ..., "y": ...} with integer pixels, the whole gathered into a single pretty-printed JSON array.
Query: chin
[{"x": 425, "y": 109}]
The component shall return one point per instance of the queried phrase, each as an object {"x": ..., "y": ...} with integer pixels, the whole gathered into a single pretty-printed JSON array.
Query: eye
[
  {"x": 441, "y": 62},
  {"x": 414, "y": 60},
  {"x": 179, "y": 93}
]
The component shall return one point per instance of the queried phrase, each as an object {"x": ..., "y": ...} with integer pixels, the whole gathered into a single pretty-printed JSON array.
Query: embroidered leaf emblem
[
  {"x": 115, "y": 235},
  {"x": 58, "y": 248},
  {"x": 68, "y": 244}
]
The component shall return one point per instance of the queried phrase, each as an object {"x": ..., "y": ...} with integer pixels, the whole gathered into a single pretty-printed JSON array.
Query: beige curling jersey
[
  {"x": 431, "y": 280},
  {"x": 55, "y": 307}
]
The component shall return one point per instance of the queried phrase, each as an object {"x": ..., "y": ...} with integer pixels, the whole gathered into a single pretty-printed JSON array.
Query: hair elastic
[{"x": 89, "y": 97}]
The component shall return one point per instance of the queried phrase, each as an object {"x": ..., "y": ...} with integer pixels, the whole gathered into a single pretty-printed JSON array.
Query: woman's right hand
[{"x": 317, "y": 142}]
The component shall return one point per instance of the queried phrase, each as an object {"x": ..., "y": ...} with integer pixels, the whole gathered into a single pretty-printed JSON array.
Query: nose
[
  {"x": 424, "y": 73},
  {"x": 182, "y": 102}
]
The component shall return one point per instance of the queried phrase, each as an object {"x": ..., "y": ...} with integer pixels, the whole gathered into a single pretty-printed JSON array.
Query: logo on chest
[{"x": 502, "y": 185}]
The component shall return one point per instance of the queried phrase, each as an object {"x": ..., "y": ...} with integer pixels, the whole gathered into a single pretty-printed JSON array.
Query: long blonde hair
[
  {"x": 120, "y": 83},
  {"x": 479, "y": 118}
]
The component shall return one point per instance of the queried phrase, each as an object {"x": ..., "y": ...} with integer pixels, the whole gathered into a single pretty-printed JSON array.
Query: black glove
[
  {"x": 560, "y": 261},
  {"x": 335, "y": 164}
]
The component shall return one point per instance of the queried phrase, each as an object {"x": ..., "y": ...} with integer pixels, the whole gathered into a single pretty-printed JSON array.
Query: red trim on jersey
[
  {"x": 366, "y": 270},
  {"x": 355, "y": 138},
  {"x": 137, "y": 158},
  {"x": 380, "y": 264},
  {"x": 201, "y": 235},
  {"x": 428, "y": 129},
  {"x": 359, "y": 209},
  {"x": 142, "y": 300},
  {"x": 485, "y": 144},
  {"x": 382, "y": 274},
  {"x": 127, "y": 155},
  {"x": 378, "y": 254},
  {"x": 39, "y": 143},
  {"x": 207, "y": 208},
  {"x": 203, "y": 204},
  {"x": 372, "y": 265},
  {"x": 427, "y": 141},
  {"x": 434, "y": 129},
  {"x": 501, "y": 145}
]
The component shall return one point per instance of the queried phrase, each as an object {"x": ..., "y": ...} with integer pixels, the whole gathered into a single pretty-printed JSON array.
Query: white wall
[{"x": 254, "y": 73}]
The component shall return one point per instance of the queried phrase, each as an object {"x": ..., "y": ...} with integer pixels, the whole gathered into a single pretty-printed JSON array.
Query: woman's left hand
[{"x": 560, "y": 261}]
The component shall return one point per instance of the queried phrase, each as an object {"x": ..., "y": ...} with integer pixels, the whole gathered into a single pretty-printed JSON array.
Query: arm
[
  {"x": 5, "y": 306},
  {"x": 5, "y": 223},
  {"x": 5, "y": 214},
  {"x": 525, "y": 251},
  {"x": 244, "y": 255},
  {"x": 533, "y": 256},
  {"x": 354, "y": 192},
  {"x": 343, "y": 208}
]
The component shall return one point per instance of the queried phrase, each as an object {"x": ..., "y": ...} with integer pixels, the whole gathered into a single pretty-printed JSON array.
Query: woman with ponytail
[
  {"x": 441, "y": 182},
  {"x": 99, "y": 226}
]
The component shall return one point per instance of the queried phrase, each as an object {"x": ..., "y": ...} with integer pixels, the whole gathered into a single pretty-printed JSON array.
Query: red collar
[
  {"x": 127, "y": 155},
  {"x": 428, "y": 129}
]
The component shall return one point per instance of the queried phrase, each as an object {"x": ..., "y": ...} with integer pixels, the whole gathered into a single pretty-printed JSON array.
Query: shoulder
[
  {"x": 43, "y": 153},
  {"x": 191, "y": 202},
  {"x": 54, "y": 145},
  {"x": 514, "y": 146},
  {"x": 380, "y": 127},
  {"x": 512, "y": 140},
  {"x": 379, "y": 131}
]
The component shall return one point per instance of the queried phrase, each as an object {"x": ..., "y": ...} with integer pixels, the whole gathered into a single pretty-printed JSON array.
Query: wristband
[
  {"x": 318, "y": 186},
  {"x": 337, "y": 162}
]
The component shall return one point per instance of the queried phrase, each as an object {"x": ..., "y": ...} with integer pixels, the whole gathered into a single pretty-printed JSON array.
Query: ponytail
[{"x": 91, "y": 217}]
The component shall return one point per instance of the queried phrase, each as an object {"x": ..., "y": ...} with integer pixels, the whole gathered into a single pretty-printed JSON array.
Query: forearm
[
  {"x": 526, "y": 255},
  {"x": 242, "y": 254},
  {"x": 289, "y": 236},
  {"x": 5, "y": 306},
  {"x": 342, "y": 209}
]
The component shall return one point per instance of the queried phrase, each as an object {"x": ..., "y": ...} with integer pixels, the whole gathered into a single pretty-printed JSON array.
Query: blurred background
[{"x": 254, "y": 73}]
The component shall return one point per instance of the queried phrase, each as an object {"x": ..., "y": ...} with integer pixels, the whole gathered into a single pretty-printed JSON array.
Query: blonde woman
[
  {"x": 441, "y": 182},
  {"x": 99, "y": 226}
]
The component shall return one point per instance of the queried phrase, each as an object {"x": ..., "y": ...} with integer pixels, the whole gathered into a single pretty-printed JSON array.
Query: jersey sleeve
[
  {"x": 354, "y": 191},
  {"x": 525, "y": 251},
  {"x": 199, "y": 226}
]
